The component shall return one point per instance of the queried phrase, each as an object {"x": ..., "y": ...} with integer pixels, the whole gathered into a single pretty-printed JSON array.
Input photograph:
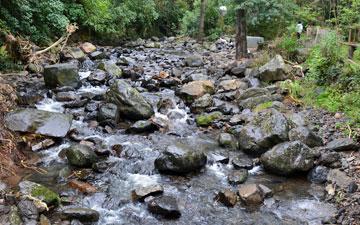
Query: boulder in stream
[
  {"x": 81, "y": 155},
  {"x": 59, "y": 75},
  {"x": 288, "y": 158},
  {"x": 140, "y": 193},
  {"x": 165, "y": 206},
  {"x": 84, "y": 215},
  {"x": 179, "y": 159},
  {"x": 39, "y": 122},
  {"x": 130, "y": 102}
]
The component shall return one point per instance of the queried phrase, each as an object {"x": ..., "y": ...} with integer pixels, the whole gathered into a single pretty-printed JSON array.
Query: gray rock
[
  {"x": 339, "y": 178},
  {"x": 165, "y": 206},
  {"x": 267, "y": 129},
  {"x": 14, "y": 217},
  {"x": 139, "y": 194},
  {"x": 196, "y": 89},
  {"x": 242, "y": 162},
  {"x": 231, "y": 85},
  {"x": 39, "y": 122},
  {"x": 98, "y": 55},
  {"x": 251, "y": 194},
  {"x": 275, "y": 70},
  {"x": 130, "y": 102},
  {"x": 342, "y": 144},
  {"x": 28, "y": 209},
  {"x": 318, "y": 174},
  {"x": 60, "y": 75},
  {"x": 108, "y": 111},
  {"x": 251, "y": 103},
  {"x": 306, "y": 136},
  {"x": 142, "y": 126},
  {"x": 288, "y": 158},
  {"x": 180, "y": 159},
  {"x": 40, "y": 192},
  {"x": 82, "y": 214},
  {"x": 81, "y": 155},
  {"x": 227, "y": 140},
  {"x": 98, "y": 76},
  {"x": 330, "y": 159},
  {"x": 196, "y": 77},
  {"x": 66, "y": 96},
  {"x": 253, "y": 92},
  {"x": 111, "y": 68},
  {"x": 239, "y": 70},
  {"x": 194, "y": 61},
  {"x": 238, "y": 176}
]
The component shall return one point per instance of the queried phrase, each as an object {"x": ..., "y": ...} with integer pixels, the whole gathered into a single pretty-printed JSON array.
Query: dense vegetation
[{"x": 332, "y": 80}]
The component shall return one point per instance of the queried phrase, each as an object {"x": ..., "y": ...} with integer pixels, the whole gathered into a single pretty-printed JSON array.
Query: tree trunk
[
  {"x": 241, "y": 41},
  {"x": 202, "y": 21}
]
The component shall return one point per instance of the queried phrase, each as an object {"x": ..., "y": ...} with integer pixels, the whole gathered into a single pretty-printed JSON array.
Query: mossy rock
[
  {"x": 40, "y": 192},
  {"x": 207, "y": 118},
  {"x": 263, "y": 106}
]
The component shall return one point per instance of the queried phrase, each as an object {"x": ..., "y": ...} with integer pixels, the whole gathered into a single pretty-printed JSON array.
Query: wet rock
[
  {"x": 88, "y": 48},
  {"x": 242, "y": 162},
  {"x": 40, "y": 192},
  {"x": 238, "y": 176},
  {"x": 130, "y": 102},
  {"x": 253, "y": 92},
  {"x": 267, "y": 129},
  {"x": 202, "y": 103},
  {"x": 28, "y": 209},
  {"x": 306, "y": 136},
  {"x": 82, "y": 214},
  {"x": 43, "y": 145},
  {"x": 111, "y": 68},
  {"x": 231, "y": 85},
  {"x": 66, "y": 96},
  {"x": 207, "y": 119},
  {"x": 82, "y": 186},
  {"x": 194, "y": 61},
  {"x": 81, "y": 155},
  {"x": 251, "y": 194},
  {"x": 275, "y": 70},
  {"x": 179, "y": 159},
  {"x": 78, "y": 103},
  {"x": 339, "y": 178},
  {"x": 108, "y": 111},
  {"x": 226, "y": 107},
  {"x": 142, "y": 126},
  {"x": 60, "y": 75},
  {"x": 227, "y": 197},
  {"x": 266, "y": 192},
  {"x": 251, "y": 103},
  {"x": 39, "y": 122},
  {"x": 98, "y": 55},
  {"x": 139, "y": 194},
  {"x": 165, "y": 206},
  {"x": 219, "y": 158},
  {"x": 97, "y": 76},
  {"x": 318, "y": 174},
  {"x": 288, "y": 158},
  {"x": 196, "y": 89},
  {"x": 165, "y": 105},
  {"x": 227, "y": 140},
  {"x": 342, "y": 144}
]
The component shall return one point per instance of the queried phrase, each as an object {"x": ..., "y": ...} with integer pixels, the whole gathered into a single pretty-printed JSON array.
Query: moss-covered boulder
[
  {"x": 111, "y": 68},
  {"x": 130, "y": 102},
  {"x": 288, "y": 158},
  {"x": 59, "y": 75},
  {"x": 227, "y": 140},
  {"x": 207, "y": 118},
  {"x": 40, "y": 192},
  {"x": 180, "y": 159},
  {"x": 81, "y": 155}
]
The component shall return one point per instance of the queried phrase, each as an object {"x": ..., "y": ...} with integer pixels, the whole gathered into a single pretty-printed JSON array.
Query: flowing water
[{"x": 295, "y": 200}]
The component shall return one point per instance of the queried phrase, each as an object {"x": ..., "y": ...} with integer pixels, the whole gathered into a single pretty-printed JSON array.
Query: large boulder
[
  {"x": 306, "y": 136},
  {"x": 288, "y": 158},
  {"x": 81, "y": 155},
  {"x": 275, "y": 70},
  {"x": 60, "y": 75},
  {"x": 39, "y": 122},
  {"x": 196, "y": 89},
  {"x": 40, "y": 192},
  {"x": 267, "y": 129},
  {"x": 179, "y": 159},
  {"x": 130, "y": 102}
]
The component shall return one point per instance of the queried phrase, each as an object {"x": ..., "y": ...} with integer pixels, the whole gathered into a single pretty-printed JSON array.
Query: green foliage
[
  {"x": 288, "y": 45},
  {"x": 6, "y": 63}
]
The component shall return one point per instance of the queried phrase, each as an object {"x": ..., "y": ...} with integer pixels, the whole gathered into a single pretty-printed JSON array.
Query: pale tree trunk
[
  {"x": 202, "y": 21},
  {"x": 241, "y": 33}
]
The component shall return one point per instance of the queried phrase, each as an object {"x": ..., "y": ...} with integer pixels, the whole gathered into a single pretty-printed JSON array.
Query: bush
[{"x": 6, "y": 63}]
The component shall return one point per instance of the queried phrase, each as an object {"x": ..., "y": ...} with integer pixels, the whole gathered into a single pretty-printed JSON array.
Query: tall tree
[
  {"x": 241, "y": 33},
  {"x": 202, "y": 20}
]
